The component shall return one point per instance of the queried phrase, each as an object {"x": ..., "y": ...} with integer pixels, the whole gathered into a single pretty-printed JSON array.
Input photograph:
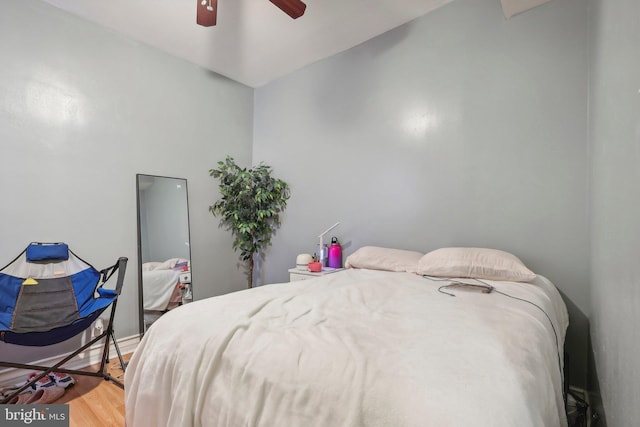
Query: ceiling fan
[{"x": 208, "y": 10}]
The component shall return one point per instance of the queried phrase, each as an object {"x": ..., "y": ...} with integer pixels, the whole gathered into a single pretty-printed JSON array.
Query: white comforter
[
  {"x": 159, "y": 286},
  {"x": 354, "y": 348}
]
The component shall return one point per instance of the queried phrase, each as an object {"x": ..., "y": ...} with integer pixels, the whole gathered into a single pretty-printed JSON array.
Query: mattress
[{"x": 355, "y": 348}]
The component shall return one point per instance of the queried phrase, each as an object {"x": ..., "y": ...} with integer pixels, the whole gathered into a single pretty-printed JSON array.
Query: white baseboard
[{"x": 91, "y": 356}]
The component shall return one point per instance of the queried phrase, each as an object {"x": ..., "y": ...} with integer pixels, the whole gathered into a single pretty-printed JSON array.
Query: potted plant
[{"x": 250, "y": 207}]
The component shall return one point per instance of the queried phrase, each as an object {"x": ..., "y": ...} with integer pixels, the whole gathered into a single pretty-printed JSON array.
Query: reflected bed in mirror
[{"x": 164, "y": 255}]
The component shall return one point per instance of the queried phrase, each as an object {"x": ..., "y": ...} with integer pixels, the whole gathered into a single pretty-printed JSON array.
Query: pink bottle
[{"x": 335, "y": 254}]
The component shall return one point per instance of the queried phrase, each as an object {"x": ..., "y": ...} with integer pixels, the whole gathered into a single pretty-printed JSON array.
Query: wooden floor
[{"x": 95, "y": 402}]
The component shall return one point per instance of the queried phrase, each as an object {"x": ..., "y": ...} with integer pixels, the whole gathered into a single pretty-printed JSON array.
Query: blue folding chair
[{"x": 48, "y": 295}]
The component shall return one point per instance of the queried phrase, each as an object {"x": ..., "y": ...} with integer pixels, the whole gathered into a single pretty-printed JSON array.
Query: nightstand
[
  {"x": 185, "y": 277},
  {"x": 185, "y": 283},
  {"x": 295, "y": 274}
]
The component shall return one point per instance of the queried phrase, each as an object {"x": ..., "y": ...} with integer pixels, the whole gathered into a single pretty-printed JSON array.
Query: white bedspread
[
  {"x": 354, "y": 348},
  {"x": 158, "y": 288}
]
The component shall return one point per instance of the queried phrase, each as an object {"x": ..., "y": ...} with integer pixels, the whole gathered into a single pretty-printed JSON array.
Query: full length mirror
[{"x": 164, "y": 256}]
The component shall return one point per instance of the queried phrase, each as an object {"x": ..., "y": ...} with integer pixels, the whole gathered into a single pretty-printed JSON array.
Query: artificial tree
[{"x": 250, "y": 207}]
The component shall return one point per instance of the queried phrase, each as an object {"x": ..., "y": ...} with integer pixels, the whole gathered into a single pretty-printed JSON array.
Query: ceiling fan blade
[
  {"x": 207, "y": 12},
  {"x": 293, "y": 8}
]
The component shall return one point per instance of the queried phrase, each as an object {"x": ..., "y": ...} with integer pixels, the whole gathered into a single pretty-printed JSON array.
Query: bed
[
  {"x": 361, "y": 347},
  {"x": 162, "y": 289}
]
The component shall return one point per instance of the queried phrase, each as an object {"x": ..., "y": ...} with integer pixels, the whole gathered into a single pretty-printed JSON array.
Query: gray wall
[
  {"x": 82, "y": 110},
  {"x": 615, "y": 206},
  {"x": 460, "y": 128}
]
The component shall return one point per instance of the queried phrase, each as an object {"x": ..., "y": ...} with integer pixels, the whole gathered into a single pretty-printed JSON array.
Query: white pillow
[
  {"x": 148, "y": 266},
  {"x": 377, "y": 258},
  {"x": 479, "y": 263}
]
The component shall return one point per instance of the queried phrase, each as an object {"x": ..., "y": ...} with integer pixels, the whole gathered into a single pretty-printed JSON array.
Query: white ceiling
[{"x": 254, "y": 42}]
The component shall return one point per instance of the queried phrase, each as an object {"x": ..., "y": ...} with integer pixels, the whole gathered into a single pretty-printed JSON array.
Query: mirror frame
[{"x": 140, "y": 290}]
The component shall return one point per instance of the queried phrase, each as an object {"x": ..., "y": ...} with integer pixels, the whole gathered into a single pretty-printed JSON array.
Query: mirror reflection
[{"x": 164, "y": 270}]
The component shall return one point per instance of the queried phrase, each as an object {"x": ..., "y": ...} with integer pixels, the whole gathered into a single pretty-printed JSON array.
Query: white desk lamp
[{"x": 322, "y": 254}]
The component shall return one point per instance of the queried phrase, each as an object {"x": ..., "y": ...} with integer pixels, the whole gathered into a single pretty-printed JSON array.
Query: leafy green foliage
[{"x": 250, "y": 207}]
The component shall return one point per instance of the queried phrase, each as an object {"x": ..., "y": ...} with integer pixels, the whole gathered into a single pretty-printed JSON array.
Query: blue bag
[{"x": 47, "y": 251}]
